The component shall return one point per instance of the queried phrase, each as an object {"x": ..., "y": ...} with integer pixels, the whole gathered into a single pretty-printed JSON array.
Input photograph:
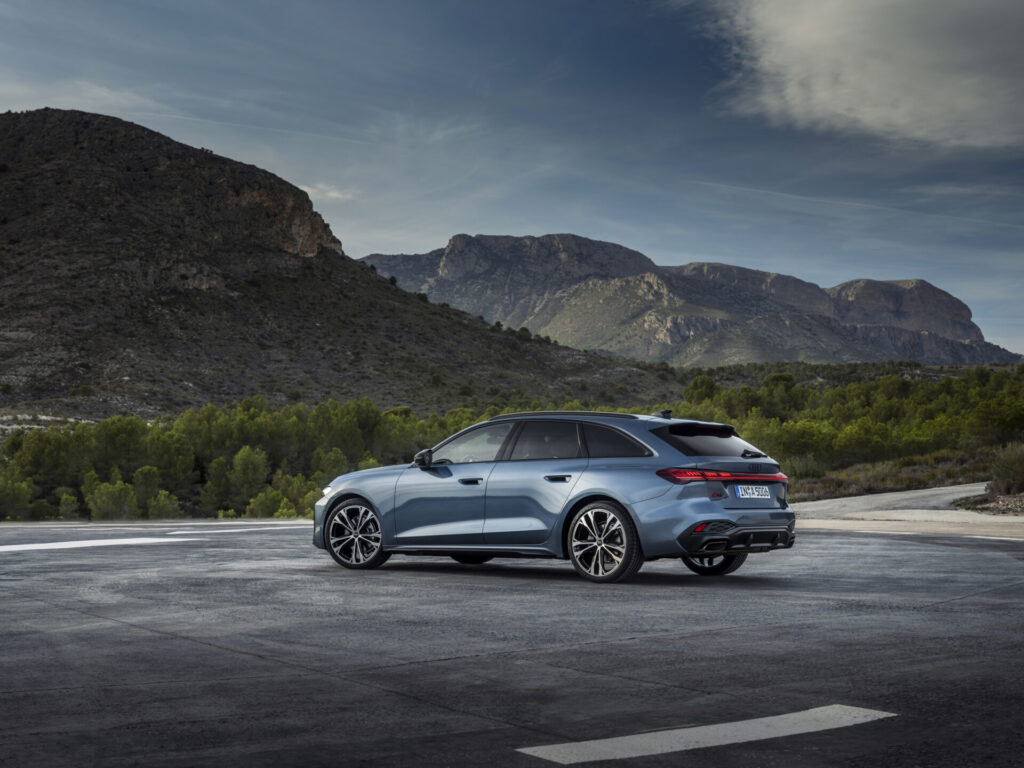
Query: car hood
[{"x": 352, "y": 478}]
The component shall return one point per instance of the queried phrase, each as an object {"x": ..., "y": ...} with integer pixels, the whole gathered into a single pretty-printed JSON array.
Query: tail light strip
[{"x": 681, "y": 476}]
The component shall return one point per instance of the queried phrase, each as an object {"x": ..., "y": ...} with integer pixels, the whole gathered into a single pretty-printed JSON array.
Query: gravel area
[{"x": 1001, "y": 505}]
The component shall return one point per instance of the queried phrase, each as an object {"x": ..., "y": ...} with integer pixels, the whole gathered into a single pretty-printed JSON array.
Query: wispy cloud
[
  {"x": 964, "y": 190},
  {"x": 323, "y": 191},
  {"x": 17, "y": 93},
  {"x": 941, "y": 72}
]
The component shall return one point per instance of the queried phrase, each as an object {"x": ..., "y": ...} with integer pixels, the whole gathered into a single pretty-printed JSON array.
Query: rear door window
[
  {"x": 607, "y": 443},
  {"x": 547, "y": 440},
  {"x": 707, "y": 440}
]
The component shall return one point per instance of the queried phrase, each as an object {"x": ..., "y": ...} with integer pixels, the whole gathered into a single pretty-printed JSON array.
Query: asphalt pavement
[{"x": 195, "y": 644}]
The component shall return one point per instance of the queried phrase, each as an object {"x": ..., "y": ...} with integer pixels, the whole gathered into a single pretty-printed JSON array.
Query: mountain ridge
[
  {"x": 138, "y": 274},
  {"x": 702, "y": 313}
]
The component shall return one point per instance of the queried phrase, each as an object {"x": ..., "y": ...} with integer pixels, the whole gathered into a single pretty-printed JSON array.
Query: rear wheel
[
  {"x": 469, "y": 559},
  {"x": 603, "y": 545},
  {"x": 353, "y": 535},
  {"x": 714, "y": 565}
]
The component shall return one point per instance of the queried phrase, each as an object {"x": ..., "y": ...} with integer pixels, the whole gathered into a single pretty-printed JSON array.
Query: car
[{"x": 607, "y": 491}]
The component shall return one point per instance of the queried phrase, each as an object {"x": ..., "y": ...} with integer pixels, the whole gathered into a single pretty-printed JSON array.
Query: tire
[
  {"x": 715, "y": 565},
  {"x": 352, "y": 533},
  {"x": 602, "y": 543},
  {"x": 469, "y": 559}
]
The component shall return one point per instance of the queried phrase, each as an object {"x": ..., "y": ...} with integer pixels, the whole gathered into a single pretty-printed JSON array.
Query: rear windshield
[{"x": 707, "y": 440}]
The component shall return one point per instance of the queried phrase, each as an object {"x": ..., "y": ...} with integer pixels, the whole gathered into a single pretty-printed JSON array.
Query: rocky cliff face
[
  {"x": 509, "y": 277},
  {"x": 602, "y": 296},
  {"x": 140, "y": 274},
  {"x": 914, "y": 305}
]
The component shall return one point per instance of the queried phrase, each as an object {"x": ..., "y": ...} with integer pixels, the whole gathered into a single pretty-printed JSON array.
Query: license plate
[{"x": 753, "y": 492}]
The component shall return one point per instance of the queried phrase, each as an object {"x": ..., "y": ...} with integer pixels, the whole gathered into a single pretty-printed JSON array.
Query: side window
[
  {"x": 605, "y": 443},
  {"x": 481, "y": 444},
  {"x": 547, "y": 440}
]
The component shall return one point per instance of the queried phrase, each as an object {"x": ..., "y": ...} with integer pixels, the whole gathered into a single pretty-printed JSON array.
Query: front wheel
[
  {"x": 603, "y": 545},
  {"x": 353, "y": 534},
  {"x": 714, "y": 565}
]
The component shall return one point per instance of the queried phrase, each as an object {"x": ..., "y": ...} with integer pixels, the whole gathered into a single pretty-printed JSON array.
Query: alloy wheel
[
  {"x": 354, "y": 536},
  {"x": 603, "y": 544}
]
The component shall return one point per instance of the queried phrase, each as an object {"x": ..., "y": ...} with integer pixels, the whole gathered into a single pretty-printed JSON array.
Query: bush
[
  {"x": 164, "y": 506},
  {"x": 1007, "y": 470},
  {"x": 16, "y": 498},
  {"x": 113, "y": 501},
  {"x": 266, "y": 504}
]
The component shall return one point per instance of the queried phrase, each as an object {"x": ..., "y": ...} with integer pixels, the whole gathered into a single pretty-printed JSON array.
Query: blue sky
[{"x": 827, "y": 139}]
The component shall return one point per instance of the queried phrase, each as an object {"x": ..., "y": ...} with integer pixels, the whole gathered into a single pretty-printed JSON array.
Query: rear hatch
[{"x": 739, "y": 475}]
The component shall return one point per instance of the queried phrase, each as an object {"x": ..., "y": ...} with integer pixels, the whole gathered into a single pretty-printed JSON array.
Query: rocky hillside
[
  {"x": 139, "y": 274},
  {"x": 596, "y": 295}
]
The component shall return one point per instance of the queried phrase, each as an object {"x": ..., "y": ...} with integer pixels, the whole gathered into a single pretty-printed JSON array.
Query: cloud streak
[
  {"x": 18, "y": 94},
  {"x": 945, "y": 73},
  {"x": 324, "y": 191}
]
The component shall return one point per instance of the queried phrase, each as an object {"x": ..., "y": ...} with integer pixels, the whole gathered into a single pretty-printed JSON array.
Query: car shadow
[{"x": 505, "y": 571}]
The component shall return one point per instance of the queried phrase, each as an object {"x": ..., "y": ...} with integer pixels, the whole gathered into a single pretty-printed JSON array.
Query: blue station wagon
[{"x": 606, "y": 491}]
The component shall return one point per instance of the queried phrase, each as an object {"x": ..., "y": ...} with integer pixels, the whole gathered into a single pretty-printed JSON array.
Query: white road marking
[
  {"x": 929, "y": 533},
  {"x": 680, "y": 739},
  {"x": 247, "y": 529},
  {"x": 87, "y": 543}
]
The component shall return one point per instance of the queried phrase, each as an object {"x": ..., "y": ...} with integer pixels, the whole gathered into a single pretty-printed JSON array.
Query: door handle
[
  {"x": 470, "y": 480},
  {"x": 557, "y": 478}
]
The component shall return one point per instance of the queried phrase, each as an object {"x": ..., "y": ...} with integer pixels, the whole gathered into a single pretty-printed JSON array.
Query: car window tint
[
  {"x": 606, "y": 443},
  {"x": 707, "y": 440},
  {"x": 481, "y": 444},
  {"x": 547, "y": 440}
]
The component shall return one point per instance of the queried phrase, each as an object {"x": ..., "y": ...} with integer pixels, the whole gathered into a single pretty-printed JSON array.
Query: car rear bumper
[
  {"x": 668, "y": 525},
  {"x": 725, "y": 538}
]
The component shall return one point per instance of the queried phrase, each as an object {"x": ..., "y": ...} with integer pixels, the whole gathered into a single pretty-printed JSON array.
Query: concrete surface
[
  {"x": 925, "y": 511},
  {"x": 240, "y": 644}
]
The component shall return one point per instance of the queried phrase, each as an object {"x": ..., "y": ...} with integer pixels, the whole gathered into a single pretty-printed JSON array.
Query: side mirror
[{"x": 423, "y": 459}]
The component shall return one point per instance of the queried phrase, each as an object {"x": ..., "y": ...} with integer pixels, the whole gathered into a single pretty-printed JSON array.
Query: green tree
[
  {"x": 247, "y": 477},
  {"x": 328, "y": 464},
  {"x": 217, "y": 489},
  {"x": 113, "y": 501},
  {"x": 265, "y": 504},
  {"x": 145, "y": 483},
  {"x": 67, "y": 508},
  {"x": 700, "y": 389},
  {"x": 164, "y": 506},
  {"x": 16, "y": 497}
]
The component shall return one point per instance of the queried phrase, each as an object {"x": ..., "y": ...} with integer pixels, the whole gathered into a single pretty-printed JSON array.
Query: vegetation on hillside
[{"x": 258, "y": 461}]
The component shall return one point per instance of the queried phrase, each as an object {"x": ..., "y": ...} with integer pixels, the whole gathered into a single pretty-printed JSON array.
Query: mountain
[
  {"x": 602, "y": 296},
  {"x": 139, "y": 274}
]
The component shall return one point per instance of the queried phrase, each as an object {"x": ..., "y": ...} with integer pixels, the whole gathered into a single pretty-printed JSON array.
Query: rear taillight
[{"x": 681, "y": 476}]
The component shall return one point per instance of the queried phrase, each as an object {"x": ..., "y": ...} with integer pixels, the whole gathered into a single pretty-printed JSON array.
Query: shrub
[
  {"x": 164, "y": 506},
  {"x": 1008, "y": 470},
  {"x": 16, "y": 498},
  {"x": 113, "y": 501},
  {"x": 266, "y": 503},
  {"x": 67, "y": 508}
]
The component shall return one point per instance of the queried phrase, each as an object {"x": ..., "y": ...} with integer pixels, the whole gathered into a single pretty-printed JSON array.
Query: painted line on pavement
[
  {"x": 931, "y": 533},
  {"x": 248, "y": 529},
  {"x": 87, "y": 543},
  {"x": 681, "y": 739}
]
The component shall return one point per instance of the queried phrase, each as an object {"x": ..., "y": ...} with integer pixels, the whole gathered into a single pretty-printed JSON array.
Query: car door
[
  {"x": 444, "y": 503},
  {"x": 526, "y": 493}
]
